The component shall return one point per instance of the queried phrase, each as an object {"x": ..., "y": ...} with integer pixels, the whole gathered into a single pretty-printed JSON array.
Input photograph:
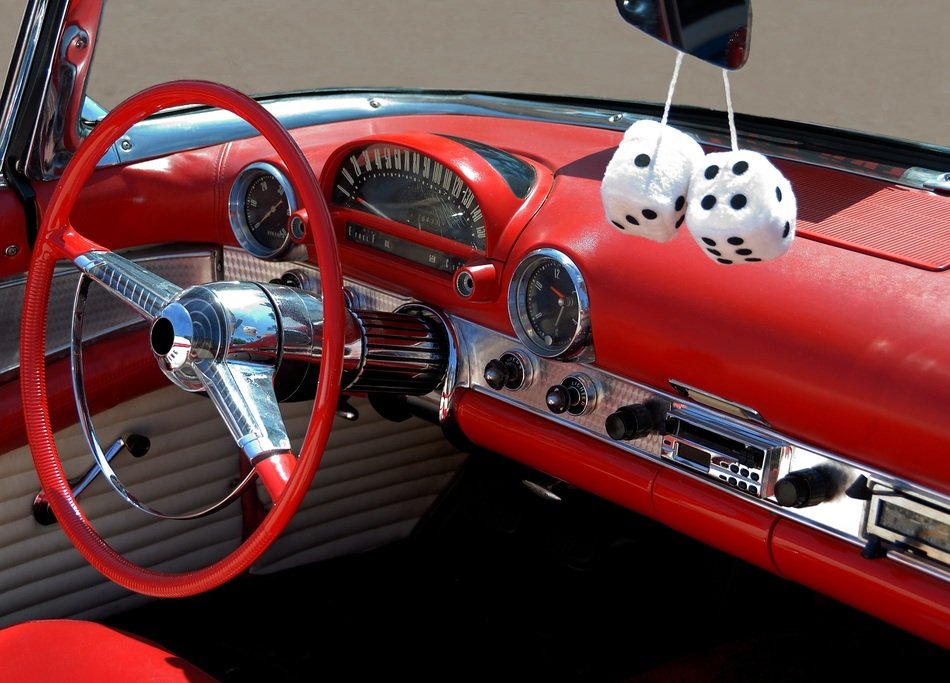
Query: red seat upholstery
[{"x": 84, "y": 652}]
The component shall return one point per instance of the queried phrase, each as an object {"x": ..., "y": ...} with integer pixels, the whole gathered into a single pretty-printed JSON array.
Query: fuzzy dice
[
  {"x": 645, "y": 185},
  {"x": 741, "y": 209}
]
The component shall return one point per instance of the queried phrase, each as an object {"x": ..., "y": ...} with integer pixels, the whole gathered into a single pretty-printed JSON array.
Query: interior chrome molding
[{"x": 20, "y": 68}]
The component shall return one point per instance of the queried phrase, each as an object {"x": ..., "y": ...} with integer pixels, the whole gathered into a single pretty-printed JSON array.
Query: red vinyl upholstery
[{"x": 87, "y": 652}]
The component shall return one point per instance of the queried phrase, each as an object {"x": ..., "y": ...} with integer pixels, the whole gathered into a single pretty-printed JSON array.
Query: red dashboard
[{"x": 835, "y": 352}]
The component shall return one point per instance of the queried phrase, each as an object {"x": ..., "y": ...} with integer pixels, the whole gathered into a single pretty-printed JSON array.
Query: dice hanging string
[
  {"x": 729, "y": 109},
  {"x": 669, "y": 94}
]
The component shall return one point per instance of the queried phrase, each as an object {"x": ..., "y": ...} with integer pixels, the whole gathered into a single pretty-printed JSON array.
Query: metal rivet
[
  {"x": 126, "y": 145},
  {"x": 615, "y": 118},
  {"x": 374, "y": 103},
  {"x": 12, "y": 250},
  {"x": 79, "y": 43}
]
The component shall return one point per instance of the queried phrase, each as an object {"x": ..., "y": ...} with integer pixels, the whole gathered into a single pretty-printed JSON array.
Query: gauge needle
[
  {"x": 269, "y": 213},
  {"x": 559, "y": 295},
  {"x": 371, "y": 207}
]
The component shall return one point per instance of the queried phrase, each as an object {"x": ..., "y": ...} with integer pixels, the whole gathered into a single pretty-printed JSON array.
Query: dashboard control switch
[
  {"x": 557, "y": 399},
  {"x": 477, "y": 282},
  {"x": 630, "y": 422},
  {"x": 803, "y": 488},
  {"x": 575, "y": 395},
  {"x": 511, "y": 371}
]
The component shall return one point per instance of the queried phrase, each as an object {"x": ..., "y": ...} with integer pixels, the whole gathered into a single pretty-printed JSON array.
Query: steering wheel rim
[{"x": 58, "y": 239}]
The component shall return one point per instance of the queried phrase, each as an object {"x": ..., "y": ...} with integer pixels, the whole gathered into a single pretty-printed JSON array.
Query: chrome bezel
[
  {"x": 518, "y": 311},
  {"x": 240, "y": 228}
]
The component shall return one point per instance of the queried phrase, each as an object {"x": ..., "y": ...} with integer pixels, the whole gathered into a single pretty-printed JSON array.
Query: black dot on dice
[
  {"x": 714, "y": 252},
  {"x": 642, "y": 160},
  {"x": 743, "y": 252},
  {"x": 740, "y": 167},
  {"x": 679, "y": 221},
  {"x": 710, "y": 241},
  {"x": 788, "y": 228},
  {"x": 711, "y": 172},
  {"x": 649, "y": 214},
  {"x": 618, "y": 225},
  {"x": 735, "y": 241},
  {"x": 737, "y": 201},
  {"x": 632, "y": 220},
  {"x": 778, "y": 193},
  {"x": 680, "y": 203},
  {"x": 724, "y": 260},
  {"x": 708, "y": 202},
  {"x": 753, "y": 260}
]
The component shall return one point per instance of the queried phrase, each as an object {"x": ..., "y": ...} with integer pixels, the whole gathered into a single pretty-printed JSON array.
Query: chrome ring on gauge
[
  {"x": 548, "y": 305},
  {"x": 259, "y": 207}
]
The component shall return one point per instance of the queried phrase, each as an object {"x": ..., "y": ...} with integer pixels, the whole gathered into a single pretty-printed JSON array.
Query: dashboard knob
[
  {"x": 507, "y": 372},
  {"x": 803, "y": 488},
  {"x": 496, "y": 374},
  {"x": 557, "y": 399},
  {"x": 630, "y": 422}
]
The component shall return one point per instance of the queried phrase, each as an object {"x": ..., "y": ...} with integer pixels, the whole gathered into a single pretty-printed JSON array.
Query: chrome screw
[
  {"x": 12, "y": 250},
  {"x": 126, "y": 145}
]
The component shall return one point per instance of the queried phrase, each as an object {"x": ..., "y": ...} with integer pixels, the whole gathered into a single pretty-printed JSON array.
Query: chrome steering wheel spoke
[
  {"x": 244, "y": 395},
  {"x": 141, "y": 289}
]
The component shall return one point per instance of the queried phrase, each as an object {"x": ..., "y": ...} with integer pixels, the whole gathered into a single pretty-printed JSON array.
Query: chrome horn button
[{"x": 172, "y": 337}]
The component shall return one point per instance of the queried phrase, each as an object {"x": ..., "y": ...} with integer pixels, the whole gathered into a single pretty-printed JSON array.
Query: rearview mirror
[{"x": 716, "y": 31}]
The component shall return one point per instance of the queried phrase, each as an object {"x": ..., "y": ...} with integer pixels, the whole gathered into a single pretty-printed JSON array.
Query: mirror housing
[{"x": 716, "y": 31}]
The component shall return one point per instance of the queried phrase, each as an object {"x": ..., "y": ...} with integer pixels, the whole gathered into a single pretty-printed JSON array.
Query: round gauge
[
  {"x": 548, "y": 305},
  {"x": 260, "y": 204},
  {"x": 412, "y": 188}
]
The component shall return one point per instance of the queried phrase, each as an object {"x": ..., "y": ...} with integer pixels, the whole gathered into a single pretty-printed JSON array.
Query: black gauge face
[
  {"x": 548, "y": 305},
  {"x": 551, "y": 304},
  {"x": 266, "y": 211},
  {"x": 408, "y": 187},
  {"x": 260, "y": 204}
]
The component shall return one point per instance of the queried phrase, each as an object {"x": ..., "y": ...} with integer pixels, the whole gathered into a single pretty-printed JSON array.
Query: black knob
[
  {"x": 630, "y": 422},
  {"x": 506, "y": 372},
  {"x": 496, "y": 374},
  {"x": 137, "y": 444},
  {"x": 557, "y": 398},
  {"x": 802, "y": 488}
]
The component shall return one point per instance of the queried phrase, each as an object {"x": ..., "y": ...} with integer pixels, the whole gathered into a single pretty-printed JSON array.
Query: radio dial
[
  {"x": 630, "y": 422},
  {"x": 803, "y": 488}
]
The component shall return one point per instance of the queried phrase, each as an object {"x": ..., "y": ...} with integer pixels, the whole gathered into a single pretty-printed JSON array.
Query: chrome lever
[{"x": 136, "y": 444}]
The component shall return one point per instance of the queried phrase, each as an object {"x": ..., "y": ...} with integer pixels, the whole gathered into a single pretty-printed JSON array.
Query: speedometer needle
[
  {"x": 268, "y": 214},
  {"x": 372, "y": 208}
]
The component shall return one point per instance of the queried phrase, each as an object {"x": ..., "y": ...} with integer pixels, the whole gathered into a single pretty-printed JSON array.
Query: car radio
[{"x": 729, "y": 453}]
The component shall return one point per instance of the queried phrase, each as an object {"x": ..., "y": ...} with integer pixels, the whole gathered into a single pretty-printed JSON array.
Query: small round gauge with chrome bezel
[
  {"x": 259, "y": 206},
  {"x": 548, "y": 305}
]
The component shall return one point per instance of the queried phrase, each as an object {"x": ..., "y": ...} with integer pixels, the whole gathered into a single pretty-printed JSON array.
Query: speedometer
[{"x": 411, "y": 188}]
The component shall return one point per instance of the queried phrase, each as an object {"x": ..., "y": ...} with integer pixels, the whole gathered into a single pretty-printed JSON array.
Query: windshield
[{"x": 868, "y": 65}]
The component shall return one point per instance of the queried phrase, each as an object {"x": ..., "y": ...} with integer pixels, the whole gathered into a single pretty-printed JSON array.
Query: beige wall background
[{"x": 874, "y": 65}]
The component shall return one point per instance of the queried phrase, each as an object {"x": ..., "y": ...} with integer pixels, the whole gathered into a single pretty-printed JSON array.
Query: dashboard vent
[{"x": 897, "y": 223}]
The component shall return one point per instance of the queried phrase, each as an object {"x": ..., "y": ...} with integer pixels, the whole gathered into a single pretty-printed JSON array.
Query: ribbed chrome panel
[
  {"x": 376, "y": 479},
  {"x": 104, "y": 313}
]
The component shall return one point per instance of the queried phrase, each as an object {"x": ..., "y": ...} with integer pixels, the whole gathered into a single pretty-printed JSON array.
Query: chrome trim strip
[
  {"x": 188, "y": 128},
  {"x": 30, "y": 26}
]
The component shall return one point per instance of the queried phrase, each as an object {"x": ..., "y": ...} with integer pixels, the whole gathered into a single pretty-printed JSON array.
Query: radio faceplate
[{"x": 726, "y": 452}]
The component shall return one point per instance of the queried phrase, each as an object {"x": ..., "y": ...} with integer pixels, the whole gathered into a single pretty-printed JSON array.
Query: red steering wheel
[{"x": 286, "y": 476}]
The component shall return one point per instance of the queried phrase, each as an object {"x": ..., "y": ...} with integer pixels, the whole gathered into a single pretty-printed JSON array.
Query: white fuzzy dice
[
  {"x": 741, "y": 209},
  {"x": 645, "y": 185}
]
